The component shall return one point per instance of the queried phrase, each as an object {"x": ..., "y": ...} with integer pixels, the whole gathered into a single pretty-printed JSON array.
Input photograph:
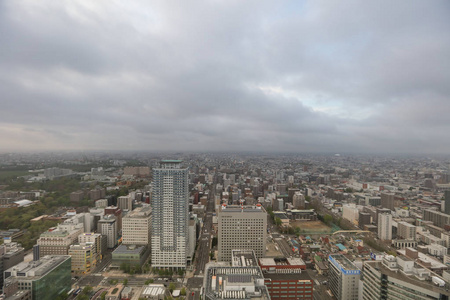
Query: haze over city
[{"x": 289, "y": 76}]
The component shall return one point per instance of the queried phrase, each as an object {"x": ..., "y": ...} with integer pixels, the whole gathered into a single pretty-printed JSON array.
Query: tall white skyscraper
[
  {"x": 385, "y": 226},
  {"x": 170, "y": 208}
]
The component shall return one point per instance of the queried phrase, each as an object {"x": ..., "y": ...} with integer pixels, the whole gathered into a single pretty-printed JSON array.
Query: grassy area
[{"x": 11, "y": 174}]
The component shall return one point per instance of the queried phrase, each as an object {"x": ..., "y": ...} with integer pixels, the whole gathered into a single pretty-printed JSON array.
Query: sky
[{"x": 266, "y": 76}]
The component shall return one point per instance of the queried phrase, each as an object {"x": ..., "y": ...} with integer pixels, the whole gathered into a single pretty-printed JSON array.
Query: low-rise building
[{"x": 46, "y": 278}]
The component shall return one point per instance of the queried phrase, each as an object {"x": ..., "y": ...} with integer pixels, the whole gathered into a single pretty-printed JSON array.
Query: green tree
[
  {"x": 327, "y": 219},
  {"x": 125, "y": 281},
  {"x": 172, "y": 286},
  {"x": 103, "y": 295},
  {"x": 183, "y": 291},
  {"x": 278, "y": 221}
]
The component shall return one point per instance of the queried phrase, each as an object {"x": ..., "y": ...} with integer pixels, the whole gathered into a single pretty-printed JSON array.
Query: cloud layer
[{"x": 295, "y": 76}]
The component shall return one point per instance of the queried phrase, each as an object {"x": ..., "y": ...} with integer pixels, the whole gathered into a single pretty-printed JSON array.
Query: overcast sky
[{"x": 296, "y": 76}]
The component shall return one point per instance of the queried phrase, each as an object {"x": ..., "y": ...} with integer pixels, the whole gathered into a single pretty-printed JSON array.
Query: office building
[
  {"x": 385, "y": 227},
  {"x": 170, "y": 215},
  {"x": 289, "y": 286},
  {"x": 108, "y": 227},
  {"x": 136, "y": 226},
  {"x": 241, "y": 227},
  {"x": 130, "y": 254},
  {"x": 125, "y": 203},
  {"x": 242, "y": 280},
  {"x": 83, "y": 258},
  {"x": 387, "y": 201},
  {"x": 298, "y": 200},
  {"x": 46, "y": 278},
  {"x": 343, "y": 277},
  {"x": 56, "y": 241},
  {"x": 400, "y": 278},
  {"x": 95, "y": 239},
  {"x": 438, "y": 218},
  {"x": 364, "y": 219},
  {"x": 447, "y": 202},
  {"x": 406, "y": 231},
  {"x": 10, "y": 255}
]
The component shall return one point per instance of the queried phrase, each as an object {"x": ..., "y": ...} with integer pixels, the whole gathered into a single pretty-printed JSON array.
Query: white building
[
  {"x": 385, "y": 226},
  {"x": 170, "y": 200},
  {"x": 343, "y": 277},
  {"x": 136, "y": 226},
  {"x": 351, "y": 213}
]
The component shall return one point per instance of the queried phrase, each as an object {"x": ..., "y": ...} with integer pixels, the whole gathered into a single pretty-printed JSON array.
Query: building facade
[
  {"x": 170, "y": 215},
  {"x": 343, "y": 277},
  {"x": 242, "y": 228},
  {"x": 136, "y": 227},
  {"x": 389, "y": 279},
  {"x": 385, "y": 227},
  {"x": 406, "y": 231},
  {"x": 46, "y": 278}
]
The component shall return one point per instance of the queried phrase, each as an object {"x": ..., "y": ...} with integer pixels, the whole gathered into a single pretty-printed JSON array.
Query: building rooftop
[
  {"x": 409, "y": 279},
  {"x": 129, "y": 249},
  {"x": 303, "y": 276},
  {"x": 153, "y": 290},
  {"x": 140, "y": 212},
  {"x": 344, "y": 264},
  {"x": 37, "y": 268},
  {"x": 235, "y": 283},
  {"x": 243, "y": 258},
  {"x": 245, "y": 208}
]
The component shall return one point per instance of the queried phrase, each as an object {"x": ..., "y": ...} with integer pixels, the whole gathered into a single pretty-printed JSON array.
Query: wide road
[{"x": 204, "y": 244}]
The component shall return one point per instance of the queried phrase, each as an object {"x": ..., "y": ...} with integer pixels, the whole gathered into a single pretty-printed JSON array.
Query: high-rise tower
[{"x": 170, "y": 204}]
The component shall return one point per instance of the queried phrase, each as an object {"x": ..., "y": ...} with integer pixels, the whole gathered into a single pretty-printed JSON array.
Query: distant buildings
[
  {"x": 136, "y": 171},
  {"x": 242, "y": 228},
  {"x": 170, "y": 199}
]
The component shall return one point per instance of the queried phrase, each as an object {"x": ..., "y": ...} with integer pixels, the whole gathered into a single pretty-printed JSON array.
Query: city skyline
[{"x": 295, "y": 76}]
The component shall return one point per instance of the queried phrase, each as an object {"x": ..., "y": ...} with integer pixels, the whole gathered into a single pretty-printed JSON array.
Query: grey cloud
[{"x": 191, "y": 75}]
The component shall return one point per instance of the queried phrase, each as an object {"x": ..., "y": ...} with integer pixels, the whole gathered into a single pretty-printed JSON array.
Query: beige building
[
  {"x": 56, "y": 241},
  {"x": 125, "y": 202},
  {"x": 83, "y": 258},
  {"x": 406, "y": 231},
  {"x": 94, "y": 239},
  {"x": 243, "y": 228},
  {"x": 136, "y": 226}
]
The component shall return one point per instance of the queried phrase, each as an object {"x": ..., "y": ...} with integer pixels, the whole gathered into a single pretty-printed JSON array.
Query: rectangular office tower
[
  {"x": 242, "y": 228},
  {"x": 343, "y": 277},
  {"x": 170, "y": 208}
]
